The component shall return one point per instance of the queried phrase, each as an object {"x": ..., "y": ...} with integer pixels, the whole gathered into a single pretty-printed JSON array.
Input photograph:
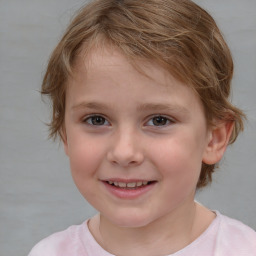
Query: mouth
[
  {"x": 129, "y": 189},
  {"x": 129, "y": 185}
]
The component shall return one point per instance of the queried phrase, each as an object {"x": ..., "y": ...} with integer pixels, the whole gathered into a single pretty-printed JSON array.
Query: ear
[
  {"x": 64, "y": 139},
  {"x": 219, "y": 136}
]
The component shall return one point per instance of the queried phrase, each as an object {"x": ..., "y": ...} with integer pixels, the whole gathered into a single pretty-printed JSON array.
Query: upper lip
[
  {"x": 127, "y": 183},
  {"x": 127, "y": 180}
]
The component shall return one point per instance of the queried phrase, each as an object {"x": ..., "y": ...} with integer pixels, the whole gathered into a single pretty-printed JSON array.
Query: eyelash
[
  {"x": 167, "y": 121},
  {"x": 86, "y": 120}
]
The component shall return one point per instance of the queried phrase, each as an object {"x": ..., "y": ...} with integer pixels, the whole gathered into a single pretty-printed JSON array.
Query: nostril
[{"x": 124, "y": 163}]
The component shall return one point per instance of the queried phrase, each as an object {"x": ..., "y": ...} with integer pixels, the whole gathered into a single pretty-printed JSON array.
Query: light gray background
[{"x": 37, "y": 194}]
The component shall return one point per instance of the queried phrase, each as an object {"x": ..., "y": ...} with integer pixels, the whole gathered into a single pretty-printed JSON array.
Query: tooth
[
  {"x": 122, "y": 184},
  {"x": 110, "y": 182},
  {"x": 139, "y": 183},
  {"x": 116, "y": 183},
  {"x": 131, "y": 185},
  {"x": 145, "y": 182}
]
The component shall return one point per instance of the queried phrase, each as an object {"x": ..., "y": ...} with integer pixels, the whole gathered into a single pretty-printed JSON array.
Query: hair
[{"x": 177, "y": 34}]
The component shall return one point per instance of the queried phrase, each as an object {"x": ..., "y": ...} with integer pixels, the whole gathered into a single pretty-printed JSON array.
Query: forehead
[
  {"x": 106, "y": 70},
  {"x": 109, "y": 59}
]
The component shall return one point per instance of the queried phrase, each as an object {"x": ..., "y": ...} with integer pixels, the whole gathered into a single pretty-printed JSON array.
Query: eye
[
  {"x": 96, "y": 120},
  {"x": 159, "y": 121}
]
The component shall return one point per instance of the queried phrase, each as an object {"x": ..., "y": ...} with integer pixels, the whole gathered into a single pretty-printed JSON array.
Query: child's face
[{"x": 125, "y": 127}]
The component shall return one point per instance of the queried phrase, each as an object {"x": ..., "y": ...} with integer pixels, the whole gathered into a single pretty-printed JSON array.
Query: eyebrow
[
  {"x": 162, "y": 107},
  {"x": 143, "y": 107},
  {"x": 90, "y": 105}
]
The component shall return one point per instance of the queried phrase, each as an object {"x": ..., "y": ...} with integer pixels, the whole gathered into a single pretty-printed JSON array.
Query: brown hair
[{"x": 178, "y": 34}]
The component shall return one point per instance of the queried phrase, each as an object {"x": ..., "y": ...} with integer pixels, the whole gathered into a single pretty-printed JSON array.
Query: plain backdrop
[{"x": 37, "y": 194}]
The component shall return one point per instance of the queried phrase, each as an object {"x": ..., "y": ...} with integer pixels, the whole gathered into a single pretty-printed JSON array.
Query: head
[{"x": 178, "y": 35}]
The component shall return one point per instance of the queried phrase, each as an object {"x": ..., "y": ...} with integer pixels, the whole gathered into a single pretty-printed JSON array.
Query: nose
[{"x": 125, "y": 150}]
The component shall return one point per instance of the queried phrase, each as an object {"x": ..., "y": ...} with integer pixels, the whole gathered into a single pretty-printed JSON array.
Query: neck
[{"x": 164, "y": 236}]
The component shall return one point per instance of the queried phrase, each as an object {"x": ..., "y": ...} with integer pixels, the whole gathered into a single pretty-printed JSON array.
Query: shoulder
[
  {"x": 236, "y": 227},
  {"x": 236, "y": 236},
  {"x": 64, "y": 243}
]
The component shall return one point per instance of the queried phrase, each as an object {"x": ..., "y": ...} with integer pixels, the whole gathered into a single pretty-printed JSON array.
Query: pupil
[
  {"x": 98, "y": 120},
  {"x": 159, "y": 120}
]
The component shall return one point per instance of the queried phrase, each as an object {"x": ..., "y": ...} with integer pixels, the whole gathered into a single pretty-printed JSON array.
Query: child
[{"x": 139, "y": 94}]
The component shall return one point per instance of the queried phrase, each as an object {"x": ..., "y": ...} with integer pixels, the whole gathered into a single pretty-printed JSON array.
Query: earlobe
[
  {"x": 65, "y": 144},
  {"x": 64, "y": 140},
  {"x": 219, "y": 137}
]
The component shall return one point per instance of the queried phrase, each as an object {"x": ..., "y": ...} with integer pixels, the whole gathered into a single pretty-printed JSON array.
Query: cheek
[
  {"x": 179, "y": 158},
  {"x": 85, "y": 156},
  {"x": 85, "y": 159}
]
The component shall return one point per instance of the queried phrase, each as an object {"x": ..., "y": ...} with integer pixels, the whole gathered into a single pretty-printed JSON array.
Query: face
[{"x": 135, "y": 142}]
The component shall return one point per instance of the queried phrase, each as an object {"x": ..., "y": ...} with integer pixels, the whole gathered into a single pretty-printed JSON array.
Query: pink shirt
[{"x": 224, "y": 237}]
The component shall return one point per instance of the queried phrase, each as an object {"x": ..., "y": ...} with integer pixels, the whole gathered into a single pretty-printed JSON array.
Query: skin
[{"x": 127, "y": 144}]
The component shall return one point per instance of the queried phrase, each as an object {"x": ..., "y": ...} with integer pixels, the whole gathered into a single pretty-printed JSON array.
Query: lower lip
[{"x": 125, "y": 193}]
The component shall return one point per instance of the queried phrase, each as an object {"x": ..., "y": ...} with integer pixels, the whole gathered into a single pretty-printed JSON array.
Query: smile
[
  {"x": 129, "y": 189},
  {"x": 129, "y": 185}
]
